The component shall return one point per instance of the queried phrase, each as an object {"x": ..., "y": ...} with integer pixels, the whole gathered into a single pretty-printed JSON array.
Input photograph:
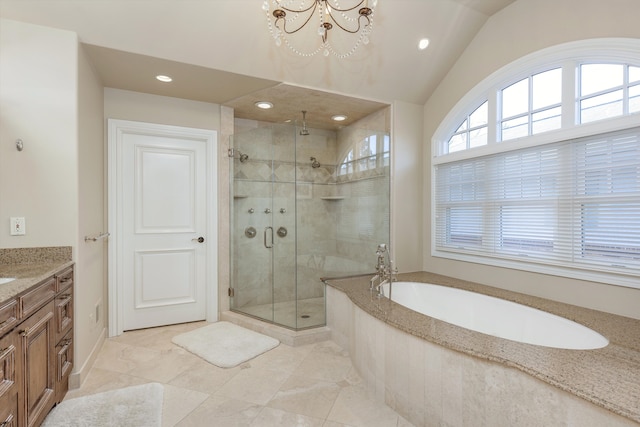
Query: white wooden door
[{"x": 163, "y": 230}]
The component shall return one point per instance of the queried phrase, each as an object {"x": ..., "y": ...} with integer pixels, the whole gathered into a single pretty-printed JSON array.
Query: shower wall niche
[{"x": 304, "y": 207}]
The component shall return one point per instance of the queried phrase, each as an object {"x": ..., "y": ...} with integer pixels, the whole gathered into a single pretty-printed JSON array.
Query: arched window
[
  {"x": 538, "y": 167},
  {"x": 369, "y": 153}
]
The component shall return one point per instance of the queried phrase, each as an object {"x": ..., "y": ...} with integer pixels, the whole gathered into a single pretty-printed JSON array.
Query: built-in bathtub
[
  {"x": 494, "y": 316},
  {"x": 436, "y": 373}
]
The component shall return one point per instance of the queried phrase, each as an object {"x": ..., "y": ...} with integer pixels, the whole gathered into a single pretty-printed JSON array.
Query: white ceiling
[{"x": 221, "y": 50}]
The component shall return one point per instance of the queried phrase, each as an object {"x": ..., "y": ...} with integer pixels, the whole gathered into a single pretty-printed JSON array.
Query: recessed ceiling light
[
  {"x": 164, "y": 79},
  {"x": 339, "y": 117},
  {"x": 265, "y": 105},
  {"x": 423, "y": 43}
]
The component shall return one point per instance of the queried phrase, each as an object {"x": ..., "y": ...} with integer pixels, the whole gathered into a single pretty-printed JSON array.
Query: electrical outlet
[{"x": 18, "y": 226}]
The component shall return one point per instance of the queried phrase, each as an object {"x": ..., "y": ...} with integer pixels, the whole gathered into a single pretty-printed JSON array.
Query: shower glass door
[
  {"x": 263, "y": 215},
  {"x": 309, "y": 203}
]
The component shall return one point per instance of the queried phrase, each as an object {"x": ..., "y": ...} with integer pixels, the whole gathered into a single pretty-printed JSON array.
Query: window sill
[{"x": 606, "y": 277}]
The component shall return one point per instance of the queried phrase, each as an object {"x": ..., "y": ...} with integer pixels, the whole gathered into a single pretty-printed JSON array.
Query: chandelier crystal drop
[{"x": 288, "y": 17}]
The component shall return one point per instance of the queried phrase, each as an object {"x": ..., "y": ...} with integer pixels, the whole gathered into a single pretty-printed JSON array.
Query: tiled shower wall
[{"x": 333, "y": 223}]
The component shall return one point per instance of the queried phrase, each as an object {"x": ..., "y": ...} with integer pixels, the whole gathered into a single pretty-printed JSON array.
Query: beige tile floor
[{"x": 311, "y": 385}]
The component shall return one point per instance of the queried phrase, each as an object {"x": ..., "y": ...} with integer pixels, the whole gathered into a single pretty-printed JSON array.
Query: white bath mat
[
  {"x": 225, "y": 344},
  {"x": 139, "y": 406}
]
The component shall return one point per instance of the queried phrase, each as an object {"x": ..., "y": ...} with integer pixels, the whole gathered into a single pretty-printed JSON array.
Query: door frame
[{"x": 115, "y": 130}]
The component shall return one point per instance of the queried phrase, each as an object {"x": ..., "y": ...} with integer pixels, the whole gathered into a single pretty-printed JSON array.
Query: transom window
[
  {"x": 472, "y": 132},
  {"x": 534, "y": 104},
  {"x": 608, "y": 90},
  {"x": 367, "y": 154},
  {"x": 543, "y": 174}
]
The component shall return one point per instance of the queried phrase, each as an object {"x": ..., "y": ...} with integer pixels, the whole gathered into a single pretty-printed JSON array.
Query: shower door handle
[{"x": 265, "y": 237}]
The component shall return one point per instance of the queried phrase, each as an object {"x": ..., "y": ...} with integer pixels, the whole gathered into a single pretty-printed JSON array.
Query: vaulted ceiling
[{"x": 221, "y": 51}]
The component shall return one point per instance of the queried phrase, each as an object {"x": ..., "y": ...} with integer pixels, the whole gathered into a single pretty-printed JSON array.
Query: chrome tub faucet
[{"x": 385, "y": 272}]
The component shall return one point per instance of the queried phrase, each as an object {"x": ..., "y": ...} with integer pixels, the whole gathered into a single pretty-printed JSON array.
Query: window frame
[{"x": 569, "y": 57}]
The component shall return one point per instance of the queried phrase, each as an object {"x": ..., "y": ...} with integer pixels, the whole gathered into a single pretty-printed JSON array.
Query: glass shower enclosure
[{"x": 303, "y": 207}]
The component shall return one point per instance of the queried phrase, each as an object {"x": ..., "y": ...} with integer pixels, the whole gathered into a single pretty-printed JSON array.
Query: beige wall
[
  {"x": 141, "y": 107},
  {"x": 38, "y": 104},
  {"x": 51, "y": 98},
  {"x": 522, "y": 28},
  {"x": 406, "y": 187},
  {"x": 91, "y": 271}
]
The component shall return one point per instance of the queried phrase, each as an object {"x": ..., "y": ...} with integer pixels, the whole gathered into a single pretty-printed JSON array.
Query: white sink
[{"x": 4, "y": 280}]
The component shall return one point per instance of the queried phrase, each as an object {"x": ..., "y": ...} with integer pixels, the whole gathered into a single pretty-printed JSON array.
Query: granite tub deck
[
  {"x": 608, "y": 377},
  {"x": 29, "y": 266}
]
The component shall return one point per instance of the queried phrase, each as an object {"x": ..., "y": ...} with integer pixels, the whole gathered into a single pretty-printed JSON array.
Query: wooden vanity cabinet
[{"x": 36, "y": 353}]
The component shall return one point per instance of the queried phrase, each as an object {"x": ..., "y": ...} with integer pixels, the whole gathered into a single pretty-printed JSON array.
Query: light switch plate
[{"x": 18, "y": 226}]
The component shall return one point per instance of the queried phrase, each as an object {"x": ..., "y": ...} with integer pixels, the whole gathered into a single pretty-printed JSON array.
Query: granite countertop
[
  {"x": 29, "y": 267},
  {"x": 608, "y": 377}
]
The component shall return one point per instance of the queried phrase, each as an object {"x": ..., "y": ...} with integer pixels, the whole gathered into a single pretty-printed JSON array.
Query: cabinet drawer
[
  {"x": 8, "y": 316},
  {"x": 31, "y": 301},
  {"x": 64, "y": 312},
  {"x": 8, "y": 369},
  {"x": 64, "y": 279}
]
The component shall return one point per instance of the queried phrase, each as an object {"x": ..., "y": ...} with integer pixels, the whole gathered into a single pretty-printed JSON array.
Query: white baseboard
[{"x": 78, "y": 376}]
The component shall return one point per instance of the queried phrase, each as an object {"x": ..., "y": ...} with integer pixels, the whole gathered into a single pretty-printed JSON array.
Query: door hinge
[
  {"x": 231, "y": 152},
  {"x": 232, "y": 293}
]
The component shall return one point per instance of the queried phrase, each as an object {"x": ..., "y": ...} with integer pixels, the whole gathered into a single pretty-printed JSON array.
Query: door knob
[{"x": 199, "y": 239}]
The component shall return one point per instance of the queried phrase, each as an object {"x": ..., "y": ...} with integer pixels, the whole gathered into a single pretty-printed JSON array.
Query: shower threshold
[{"x": 284, "y": 335}]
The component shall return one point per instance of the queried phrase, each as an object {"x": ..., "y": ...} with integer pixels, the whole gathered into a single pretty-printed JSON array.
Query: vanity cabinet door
[
  {"x": 9, "y": 381},
  {"x": 64, "y": 313},
  {"x": 36, "y": 336}
]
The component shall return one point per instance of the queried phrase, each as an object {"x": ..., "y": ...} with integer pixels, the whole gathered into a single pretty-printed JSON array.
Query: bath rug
[
  {"x": 225, "y": 344},
  {"x": 139, "y": 406}
]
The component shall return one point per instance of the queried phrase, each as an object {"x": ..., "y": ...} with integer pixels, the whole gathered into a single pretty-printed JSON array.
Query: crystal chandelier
[{"x": 287, "y": 17}]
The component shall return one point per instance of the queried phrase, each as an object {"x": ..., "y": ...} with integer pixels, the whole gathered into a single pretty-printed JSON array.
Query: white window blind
[{"x": 572, "y": 204}]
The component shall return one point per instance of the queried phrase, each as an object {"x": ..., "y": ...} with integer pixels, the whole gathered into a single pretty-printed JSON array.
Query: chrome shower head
[{"x": 304, "y": 131}]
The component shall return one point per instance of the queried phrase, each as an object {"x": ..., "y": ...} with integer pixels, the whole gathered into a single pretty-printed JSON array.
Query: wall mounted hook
[{"x": 19, "y": 144}]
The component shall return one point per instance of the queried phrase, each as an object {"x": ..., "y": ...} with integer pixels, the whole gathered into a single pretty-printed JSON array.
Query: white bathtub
[{"x": 495, "y": 316}]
